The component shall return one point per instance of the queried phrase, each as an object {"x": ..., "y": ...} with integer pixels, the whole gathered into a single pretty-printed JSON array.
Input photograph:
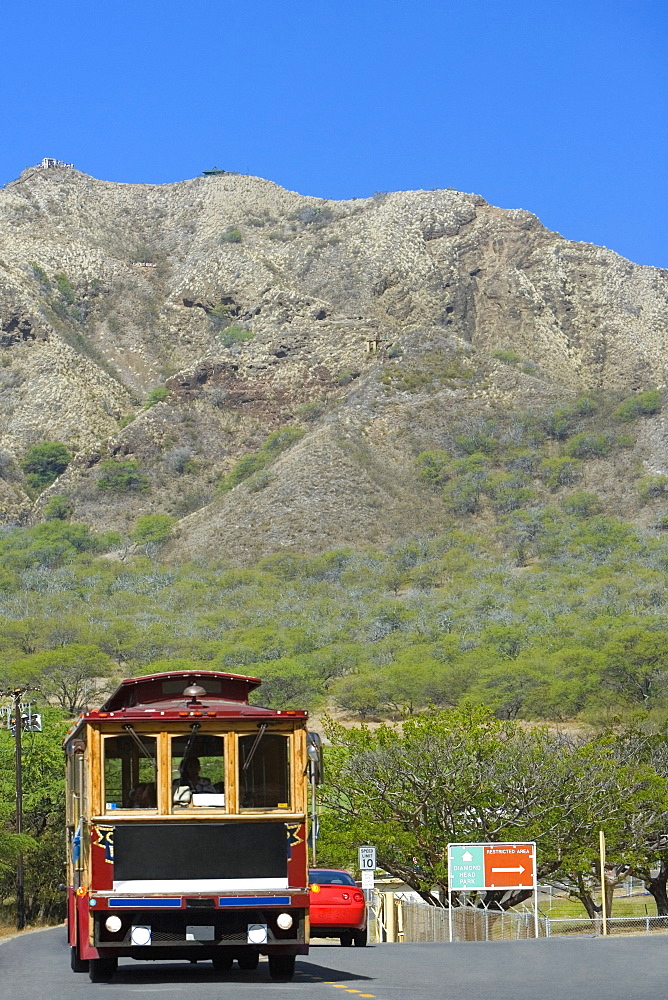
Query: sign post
[
  {"x": 492, "y": 866},
  {"x": 367, "y": 864}
]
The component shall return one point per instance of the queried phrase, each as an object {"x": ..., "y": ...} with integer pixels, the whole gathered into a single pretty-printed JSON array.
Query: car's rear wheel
[
  {"x": 346, "y": 939},
  {"x": 360, "y": 938},
  {"x": 282, "y": 967},
  {"x": 101, "y": 970}
]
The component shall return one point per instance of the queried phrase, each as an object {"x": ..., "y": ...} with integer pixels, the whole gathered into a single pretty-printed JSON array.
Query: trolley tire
[
  {"x": 282, "y": 967},
  {"x": 101, "y": 970},
  {"x": 248, "y": 962},
  {"x": 346, "y": 939},
  {"x": 360, "y": 938},
  {"x": 222, "y": 962},
  {"x": 77, "y": 964}
]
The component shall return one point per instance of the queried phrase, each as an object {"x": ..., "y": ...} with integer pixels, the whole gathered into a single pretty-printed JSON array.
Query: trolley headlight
[
  {"x": 284, "y": 921},
  {"x": 113, "y": 924}
]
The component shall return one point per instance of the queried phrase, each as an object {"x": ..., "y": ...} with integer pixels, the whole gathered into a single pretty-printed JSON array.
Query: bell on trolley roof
[{"x": 194, "y": 692}]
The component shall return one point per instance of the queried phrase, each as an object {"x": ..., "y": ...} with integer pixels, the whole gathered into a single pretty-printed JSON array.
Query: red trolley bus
[{"x": 187, "y": 826}]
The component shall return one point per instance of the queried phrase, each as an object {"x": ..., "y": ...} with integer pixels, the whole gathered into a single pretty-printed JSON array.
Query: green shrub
[
  {"x": 281, "y": 439},
  {"x": 44, "y": 462},
  {"x": 464, "y": 492},
  {"x": 434, "y": 467},
  {"x": 508, "y": 357},
  {"x": 582, "y": 504},
  {"x": 437, "y": 368},
  {"x": 243, "y": 469},
  {"x": 122, "y": 476},
  {"x": 233, "y": 335},
  {"x": 650, "y": 487},
  {"x": 585, "y": 445},
  {"x": 65, "y": 288},
  {"x": 641, "y": 405},
  {"x": 506, "y": 494},
  {"x": 157, "y": 395},
  {"x": 483, "y": 439},
  {"x": 59, "y": 508},
  {"x": 231, "y": 235},
  {"x": 219, "y": 316},
  {"x": 560, "y": 471},
  {"x": 250, "y": 465},
  {"x": 152, "y": 528},
  {"x": 522, "y": 460},
  {"x": 41, "y": 276},
  {"x": 560, "y": 423},
  {"x": 258, "y": 481}
]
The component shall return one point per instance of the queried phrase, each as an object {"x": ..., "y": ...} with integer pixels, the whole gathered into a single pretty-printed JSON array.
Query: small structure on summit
[{"x": 48, "y": 163}]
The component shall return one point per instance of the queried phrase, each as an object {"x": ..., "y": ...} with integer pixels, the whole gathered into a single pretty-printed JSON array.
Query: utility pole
[
  {"x": 16, "y": 694},
  {"x": 20, "y": 890}
]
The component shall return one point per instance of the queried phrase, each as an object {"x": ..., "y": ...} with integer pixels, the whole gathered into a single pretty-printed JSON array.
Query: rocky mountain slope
[{"x": 179, "y": 326}]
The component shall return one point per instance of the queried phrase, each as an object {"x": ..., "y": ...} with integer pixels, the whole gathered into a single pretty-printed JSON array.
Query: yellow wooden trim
[{"x": 196, "y": 815}]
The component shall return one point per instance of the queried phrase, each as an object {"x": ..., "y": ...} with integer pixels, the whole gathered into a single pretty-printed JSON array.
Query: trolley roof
[{"x": 166, "y": 697}]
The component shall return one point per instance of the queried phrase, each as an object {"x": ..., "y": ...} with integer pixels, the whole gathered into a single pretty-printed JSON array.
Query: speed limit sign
[{"x": 367, "y": 859}]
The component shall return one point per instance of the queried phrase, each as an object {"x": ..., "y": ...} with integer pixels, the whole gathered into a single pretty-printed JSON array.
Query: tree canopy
[{"x": 464, "y": 776}]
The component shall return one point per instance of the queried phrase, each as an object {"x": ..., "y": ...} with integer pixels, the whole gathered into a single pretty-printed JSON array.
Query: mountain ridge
[{"x": 378, "y": 326}]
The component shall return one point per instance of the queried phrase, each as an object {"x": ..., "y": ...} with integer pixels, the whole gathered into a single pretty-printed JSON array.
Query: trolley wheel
[
  {"x": 222, "y": 962},
  {"x": 282, "y": 967},
  {"x": 346, "y": 939},
  {"x": 77, "y": 964},
  {"x": 360, "y": 938},
  {"x": 101, "y": 970},
  {"x": 249, "y": 961}
]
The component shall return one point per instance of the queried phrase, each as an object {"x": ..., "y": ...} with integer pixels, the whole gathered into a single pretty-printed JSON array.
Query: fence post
[
  {"x": 400, "y": 921},
  {"x": 388, "y": 912}
]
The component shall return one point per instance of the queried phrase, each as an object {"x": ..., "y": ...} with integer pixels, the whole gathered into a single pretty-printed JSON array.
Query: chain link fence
[{"x": 397, "y": 919}]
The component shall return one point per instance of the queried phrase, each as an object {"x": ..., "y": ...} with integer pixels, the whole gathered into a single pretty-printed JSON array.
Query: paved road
[{"x": 36, "y": 967}]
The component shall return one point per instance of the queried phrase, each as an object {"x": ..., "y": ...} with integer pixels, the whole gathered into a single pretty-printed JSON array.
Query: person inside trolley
[{"x": 190, "y": 776}]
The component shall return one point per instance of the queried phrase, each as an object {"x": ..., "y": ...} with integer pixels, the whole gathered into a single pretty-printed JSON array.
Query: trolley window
[
  {"x": 198, "y": 771},
  {"x": 130, "y": 772},
  {"x": 264, "y": 771}
]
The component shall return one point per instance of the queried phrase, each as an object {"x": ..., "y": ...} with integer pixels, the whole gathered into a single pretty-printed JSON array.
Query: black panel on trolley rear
[{"x": 200, "y": 850}]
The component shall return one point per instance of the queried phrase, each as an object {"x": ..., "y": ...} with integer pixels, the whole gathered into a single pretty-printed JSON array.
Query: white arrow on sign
[{"x": 520, "y": 869}]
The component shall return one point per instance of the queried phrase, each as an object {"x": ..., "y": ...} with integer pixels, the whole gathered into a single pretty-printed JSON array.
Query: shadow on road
[{"x": 180, "y": 974}]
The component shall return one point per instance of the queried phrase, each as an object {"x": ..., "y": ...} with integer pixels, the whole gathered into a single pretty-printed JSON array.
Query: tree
[
  {"x": 44, "y": 462},
  {"x": 465, "y": 776},
  {"x": 151, "y": 530},
  {"x": 122, "y": 476},
  {"x": 43, "y": 818},
  {"x": 59, "y": 508},
  {"x": 70, "y": 675},
  {"x": 637, "y": 662}
]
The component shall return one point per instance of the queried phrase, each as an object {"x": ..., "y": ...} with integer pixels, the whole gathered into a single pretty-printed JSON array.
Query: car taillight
[
  {"x": 345, "y": 895},
  {"x": 358, "y": 897}
]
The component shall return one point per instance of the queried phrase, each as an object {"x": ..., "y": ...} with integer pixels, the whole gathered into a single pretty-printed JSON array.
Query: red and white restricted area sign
[{"x": 510, "y": 866}]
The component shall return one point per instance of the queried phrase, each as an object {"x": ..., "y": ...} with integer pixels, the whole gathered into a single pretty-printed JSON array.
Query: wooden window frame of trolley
[{"x": 165, "y": 811}]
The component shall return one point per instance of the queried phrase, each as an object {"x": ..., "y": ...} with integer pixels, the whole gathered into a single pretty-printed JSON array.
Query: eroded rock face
[{"x": 308, "y": 319}]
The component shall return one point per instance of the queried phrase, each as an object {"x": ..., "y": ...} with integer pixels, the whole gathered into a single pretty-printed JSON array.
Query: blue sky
[{"x": 557, "y": 107}]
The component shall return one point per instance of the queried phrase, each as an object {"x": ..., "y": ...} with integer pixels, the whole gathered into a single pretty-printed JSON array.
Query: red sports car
[{"x": 337, "y": 907}]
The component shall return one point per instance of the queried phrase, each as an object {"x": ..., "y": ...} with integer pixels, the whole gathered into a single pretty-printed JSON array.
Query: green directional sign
[{"x": 466, "y": 867}]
